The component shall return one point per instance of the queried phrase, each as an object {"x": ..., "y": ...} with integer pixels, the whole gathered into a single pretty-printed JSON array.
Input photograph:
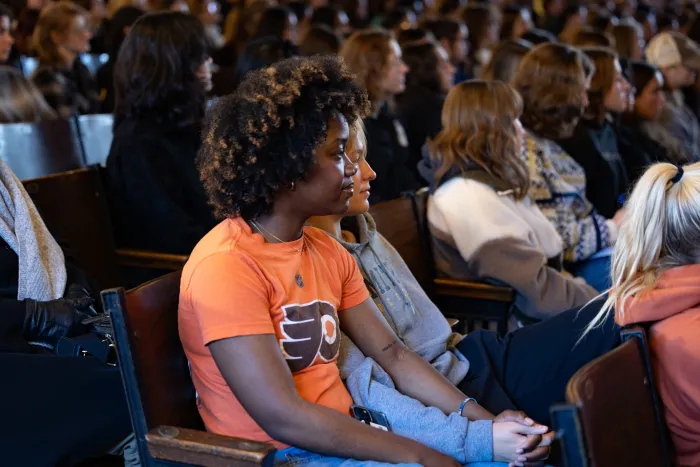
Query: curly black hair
[
  {"x": 261, "y": 139},
  {"x": 155, "y": 73}
]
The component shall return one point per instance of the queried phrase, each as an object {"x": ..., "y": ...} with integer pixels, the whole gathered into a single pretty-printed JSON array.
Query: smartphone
[{"x": 370, "y": 417}]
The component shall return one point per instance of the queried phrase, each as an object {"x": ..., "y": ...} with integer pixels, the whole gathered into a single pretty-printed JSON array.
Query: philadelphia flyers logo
[{"x": 310, "y": 333}]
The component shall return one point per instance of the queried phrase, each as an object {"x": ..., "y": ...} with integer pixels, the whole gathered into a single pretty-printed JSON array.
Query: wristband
[{"x": 465, "y": 402}]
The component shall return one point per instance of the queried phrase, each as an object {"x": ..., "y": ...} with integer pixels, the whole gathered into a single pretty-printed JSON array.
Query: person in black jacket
[
  {"x": 72, "y": 407},
  {"x": 594, "y": 141},
  {"x": 428, "y": 81},
  {"x": 375, "y": 57},
  {"x": 642, "y": 137},
  {"x": 162, "y": 75}
]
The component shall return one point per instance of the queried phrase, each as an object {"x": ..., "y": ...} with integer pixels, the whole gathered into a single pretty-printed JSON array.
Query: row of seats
[
  {"x": 613, "y": 415},
  {"x": 612, "y": 398},
  {"x": 92, "y": 62},
  {"x": 35, "y": 150},
  {"x": 75, "y": 207}
]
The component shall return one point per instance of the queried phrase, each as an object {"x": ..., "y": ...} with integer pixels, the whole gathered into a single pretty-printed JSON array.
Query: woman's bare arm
[{"x": 256, "y": 372}]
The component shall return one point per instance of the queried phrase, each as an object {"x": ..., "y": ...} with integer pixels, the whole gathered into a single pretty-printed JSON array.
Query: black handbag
[{"x": 97, "y": 342}]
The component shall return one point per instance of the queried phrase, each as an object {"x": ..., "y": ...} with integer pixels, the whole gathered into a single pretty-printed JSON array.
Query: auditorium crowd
[{"x": 559, "y": 144}]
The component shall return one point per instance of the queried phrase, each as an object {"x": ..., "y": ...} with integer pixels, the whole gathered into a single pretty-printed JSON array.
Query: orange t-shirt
[{"x": 236, "y": 284}]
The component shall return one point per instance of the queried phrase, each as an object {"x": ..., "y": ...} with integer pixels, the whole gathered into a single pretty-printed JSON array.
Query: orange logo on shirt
[{"x": 310, "y": 333}]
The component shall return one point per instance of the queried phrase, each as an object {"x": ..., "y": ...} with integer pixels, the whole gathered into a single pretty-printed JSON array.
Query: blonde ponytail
[{"x": 661, "y": 230}]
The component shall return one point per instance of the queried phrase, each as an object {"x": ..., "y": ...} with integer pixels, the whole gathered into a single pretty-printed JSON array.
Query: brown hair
[
  {"x": 505, "y": 60},
  {"x": 366, "y": 53},
  {"x": 510, "y": 15},
  {"x": 478, "y": 18},
  {"x": 55, "y": 18},
  {"x": 589, "y": 37},
  {"x": 626, "y": 37},
  {"x": 20, "y": 100},
  {"x": 552, "y": 82},
  {"x": 478, "y": 121},
  {"x": 602, "y": 80}
]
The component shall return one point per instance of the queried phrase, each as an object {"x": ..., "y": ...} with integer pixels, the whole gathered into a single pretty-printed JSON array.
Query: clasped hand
[{"x": 518, "y": 440}]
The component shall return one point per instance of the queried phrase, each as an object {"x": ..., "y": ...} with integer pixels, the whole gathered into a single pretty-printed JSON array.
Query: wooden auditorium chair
[
  {"x": 614, "y": 416},
  {"x": 96, "y": 137},
  {"x": 34, "y": 150},
  {"x": 74, "y": 206},
  {"x": 159, "y": 391},
  {"x": 403, "y": 223}
]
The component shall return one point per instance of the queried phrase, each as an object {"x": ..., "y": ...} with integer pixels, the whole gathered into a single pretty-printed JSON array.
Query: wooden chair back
[
  {"x": 397, "y": 221},
  {"x": 74, "y": 207},
  {"x": 613, "y": 417},
  {"x": 35, "y": 150},
  {"x": 152, "y": 361},
  {"x": 478, "y": 305},
  {"x": 157, "y": 383},
  {"x": 96, "y": 136}
]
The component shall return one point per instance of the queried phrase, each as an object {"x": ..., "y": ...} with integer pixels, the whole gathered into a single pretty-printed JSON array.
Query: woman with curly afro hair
[{"x": 264, "y": 298}]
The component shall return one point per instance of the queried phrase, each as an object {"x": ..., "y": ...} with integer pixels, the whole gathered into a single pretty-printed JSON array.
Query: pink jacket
[{"x": 674, "y": 304}]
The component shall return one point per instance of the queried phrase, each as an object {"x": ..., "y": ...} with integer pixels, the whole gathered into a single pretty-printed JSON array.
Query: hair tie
[{"x": 677, "y": 178}]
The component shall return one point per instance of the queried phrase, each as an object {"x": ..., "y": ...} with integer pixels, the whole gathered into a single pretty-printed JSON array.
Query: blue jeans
[{"x": 292, "y": 457}]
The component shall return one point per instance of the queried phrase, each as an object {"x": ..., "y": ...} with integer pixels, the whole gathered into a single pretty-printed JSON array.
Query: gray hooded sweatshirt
[{"x": 422, "y": 328}]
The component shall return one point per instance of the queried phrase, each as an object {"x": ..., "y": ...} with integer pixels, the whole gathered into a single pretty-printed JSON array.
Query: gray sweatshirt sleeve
[{"x": 371, "y": 387}]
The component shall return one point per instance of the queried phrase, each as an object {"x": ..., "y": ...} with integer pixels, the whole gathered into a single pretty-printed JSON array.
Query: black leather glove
[{"x": 47, "y": 322}]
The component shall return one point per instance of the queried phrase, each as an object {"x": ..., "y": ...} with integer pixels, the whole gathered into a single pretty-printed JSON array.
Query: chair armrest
[
  {"x": 207, "y": 449},
  {"x": 476, "y": 290},
  {"x": 150, "y": 259}
]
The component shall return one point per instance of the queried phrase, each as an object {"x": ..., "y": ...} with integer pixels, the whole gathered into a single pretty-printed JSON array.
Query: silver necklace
[{"x": 262, "y": 230}]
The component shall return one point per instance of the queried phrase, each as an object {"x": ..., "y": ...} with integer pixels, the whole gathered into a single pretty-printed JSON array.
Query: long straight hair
[
  {"x": 20, "y": 100},
  {"x": 478, "y": 120},
  {"x": 661, "y": 230},
  {"x": 602, "y": 81}
]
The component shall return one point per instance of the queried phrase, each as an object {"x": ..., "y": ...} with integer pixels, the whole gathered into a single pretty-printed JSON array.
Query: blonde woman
[
  {"x": 484, "y": 224},
  {"x": 20, "y": 101},
  {"x": 527, "y": 370},
  {"x": 656, "y": 277},
  {"x": 62, "y": 33}
]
